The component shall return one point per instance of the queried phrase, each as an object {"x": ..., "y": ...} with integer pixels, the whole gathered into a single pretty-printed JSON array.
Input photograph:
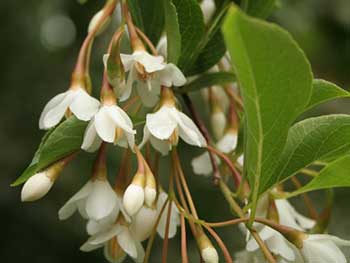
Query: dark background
[{"x": 39, "y": 44}]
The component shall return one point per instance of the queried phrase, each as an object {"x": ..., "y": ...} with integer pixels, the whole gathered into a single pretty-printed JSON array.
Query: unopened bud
[
  {"x": 96, "y": 20},
  {"x": 150, "y": 188},
  {"x": 208, "y": 252},
  {"x": 218, "y": 123},
  {"x": 40, "y": 184},
  {"x": 134, "y": 195}
]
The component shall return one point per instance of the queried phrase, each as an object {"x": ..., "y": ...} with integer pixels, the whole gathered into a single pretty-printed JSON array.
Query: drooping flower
[
  {"x": 165, "y": 126},
  {"x": 149, "y": 73},
  {"x": 117, "y": 236},
  {"x": 76, "y": 100},
  {"x": 174, "y": 218},
  {"x": 208, "y": 252},
  {"x": 36, "y": 187},
  {"x": 143, "y": 222},
  {"x": 202, "y": 165},
  {"x": 96, "y": 200},
  {"x": 110, "y": 124},
  {"x": 208, "y": 9},
  {"x": 323, "y": 249}
]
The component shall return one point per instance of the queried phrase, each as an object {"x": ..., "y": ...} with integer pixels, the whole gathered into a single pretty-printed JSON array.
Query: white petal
[
  {"x": 133, "y": 199},
  {"x": 149, "y": 97},
  {"x": 218, "y": 123},
  {"x": 143, "y": 223},
  {"x": 140, "y": 253},
  {"x": 150, "y": 195},
  {"x": 104, "y": 125},
  {"x": 69, "y": 208},
  {"x": 174, "y": 218},
  {"x": 120, "y": 118},
  {"x": 56, "y": 113},
  {"x": 189, "y": 131},
  {"x": 171, "y": 75},
  {"x": 91, "y": 140},
  {"x": 160, "y": 124},
  {"x": 228, "y": 143},
  {"x": 162, "y": 146},
  {"x": 106, "y": 235},
  {"x": 265, "y": 234},
  {"x": 36, "y": 187},
  {"x": 279, "y": 246},
  {"x": 150, "y": 63},
  {"x": 127, "y": 243},
  {"x": 111, "y": 256},
  {"x": 49, "y": 106},
  {"x": 324, "y": 251},
  {"x": 84, "y": 107},
  {"x": 162, "y": 46},
  {"x": 202, "y": 164},
  {"x": 128, "y": 61},
  {"x": 101, "y": 201},
  {"x": 87, "y": 247},
  {"x": 208, "y": 9},
  {"x": 132, "y": 77}
]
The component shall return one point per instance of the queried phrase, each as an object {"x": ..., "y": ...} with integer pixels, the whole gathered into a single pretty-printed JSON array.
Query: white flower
[
  {"x": 133, "y": 199},
  {"x": 323, "y": 249},
  {"x": 162, "y": 46},
  {"x": 116, "y": 233},
  {"x": 110, "y": 124},
  {"x": 77, "y": 100},
  {"x": 150, "y": 73},
  {"x": 164, "y": 126},
  {"x": 276, "y": 243},
  {"x": 96, "y": 200},
  {"x": 202, "y": 164},
  {"x": 174, "y": 218},
  {"x": 143, "y": 222},
  {"x": 36, "y": 187},
  {"x": 210, "y": 255},
  {"x": 208, "y": 9}
]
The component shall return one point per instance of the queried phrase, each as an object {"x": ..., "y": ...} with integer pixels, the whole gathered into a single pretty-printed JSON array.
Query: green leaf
[
  {"x": 324, "y": 91},
  {"x": 335, "y": 174},
  {"x": 172, "y": 32},
  {"x": 191, "y": 24},
  {"x": 211, "y": 48},
  {"x": 207, "y": 80},
  {"x": 148, "y": 16},
  {"x": 259, "y": 8},
  {"x": 56, "y": 144},
  {"x": 315, "y": 139},
  {"x": 276, "y": 83}
]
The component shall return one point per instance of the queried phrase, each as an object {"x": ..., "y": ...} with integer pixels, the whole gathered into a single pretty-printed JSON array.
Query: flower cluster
[{"x": 139, "y": 111}]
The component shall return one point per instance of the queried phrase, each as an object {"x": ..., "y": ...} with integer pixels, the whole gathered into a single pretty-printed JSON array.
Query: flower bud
[
  {"x": 134, "y": 195},
  {"x": 36, "y": 187},
  {"x": 218, "y": 123},
  {"x": 208, "y": 252},
  {"x": 40, "y": 184},
  {"x": 95, "y": 20},
  {"x": 150, "y": 189}
]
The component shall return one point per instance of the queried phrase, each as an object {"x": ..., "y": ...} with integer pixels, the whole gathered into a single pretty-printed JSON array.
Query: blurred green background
[{"x": 40, "y": 41}]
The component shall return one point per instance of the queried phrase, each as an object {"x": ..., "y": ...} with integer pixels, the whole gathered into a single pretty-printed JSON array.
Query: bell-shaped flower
[
  {"x": 76, "y": 100},
  {"x": 143, "y": 222},
  {"x": 174, "y": 217},
  {"x": 149, "y": 73},
  {"x": 134, "y": 195},
  {"x": 36, "y": 187},
  {"x": 202, "y": 164},
  {"x": 110, "y": 124},
  {"x": 113, "y": 238},
  {"x": 96, "y": 200},
  {"x": 164, "y": 127},
  {"x": 323, "y": 249}
]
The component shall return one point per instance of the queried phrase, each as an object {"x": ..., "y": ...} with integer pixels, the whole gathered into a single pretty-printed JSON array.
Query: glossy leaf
[
  {"x": 259, "y": 8},
  {"x": 172, "y": 32},
  {"x": 315, "y": 139},
  {"x": 56, "y": 144},
  {"x": 335, "y": 174},
  {"x": 276, "y": 84},
  {"x": 324, "y": 91},
  {"x": 191, "y": 24}
]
